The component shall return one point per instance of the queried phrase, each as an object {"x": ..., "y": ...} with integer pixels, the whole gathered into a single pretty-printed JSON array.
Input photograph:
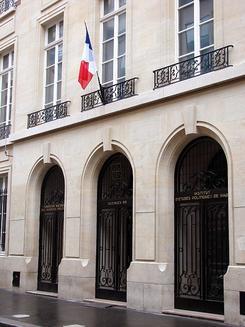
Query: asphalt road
[{"x": 28, "y": 310}]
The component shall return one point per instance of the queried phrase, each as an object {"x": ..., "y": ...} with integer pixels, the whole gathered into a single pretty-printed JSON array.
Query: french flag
[{"x": 87, "y": 66}]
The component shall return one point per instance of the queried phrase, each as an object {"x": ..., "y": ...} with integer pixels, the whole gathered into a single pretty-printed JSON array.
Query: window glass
[
  {"x": 53, "y": 69},
  {"x": 60, "y": 52},
  {"x": 184, "y": 2},
  {"x": 3, "y": 114},
  {"x": 201, "y": 24},
  {"x": 49, "y": 94},
  {"x": 58, "y": 90},
  {"x": 50, "y": 57},
  {"x": 108, "y": 6},
  {"x": 113, "y": 42},
  {"x": 108, "y": 50},
  {"x": 122, "y": 23},
  {"x": 206, "y": 10},
  {"x": 59, "y": 71},
  {"x": 122, "y": 3},
  {"x": 211, "y": 48},
  {"x": 108, "y": 29},
  {"x": 121, "y": 45},
  {"x": 51, "y": 34},
  {"x": 4, "y": 97},
  {"x": 186, "y": 17},
  {"x": 186, "y": 42},
  {"x": 12, "y": 58},
  {"x": 11, "y": 78},
  {"x": 107, "y": 72},
  {"x": 4, "y": 81},
  {"x": 6, "y": 61},
  {"x": 186, "y": 57},
  {"x": 121, "y": 66},
  {"x": 50, "y": 75},
  {"x": 61, "y": 27},
  {"x": 206, "y": 34}
]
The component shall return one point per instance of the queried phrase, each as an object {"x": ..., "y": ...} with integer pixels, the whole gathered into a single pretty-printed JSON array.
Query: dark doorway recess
[
  {"x": 201, "y": 227},
  {"x": 51, "y": 229},
  {"x": 114, "y": 228}
]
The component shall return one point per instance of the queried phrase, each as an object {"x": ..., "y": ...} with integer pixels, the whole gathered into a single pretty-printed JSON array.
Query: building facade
[{"x": 133, "y": 191}]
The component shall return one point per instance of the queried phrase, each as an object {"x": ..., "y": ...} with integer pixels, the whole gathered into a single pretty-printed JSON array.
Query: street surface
[{"x": 27, "y": 310}]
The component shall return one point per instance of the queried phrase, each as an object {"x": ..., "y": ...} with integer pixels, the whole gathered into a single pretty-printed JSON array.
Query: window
[
  {"x": 6, "y": 80},
  {"x": 3, "y": 209},
  {"x": 113, "y": 41},
  {"x": 53, "y": 64},
  {"x": 195, "y": 28}
]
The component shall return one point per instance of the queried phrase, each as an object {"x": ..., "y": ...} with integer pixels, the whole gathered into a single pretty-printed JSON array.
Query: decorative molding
[
  {"x": 106, "y": 138},
  {"x": 46, "y": 153},
  {"x": 189, "y": 118}
]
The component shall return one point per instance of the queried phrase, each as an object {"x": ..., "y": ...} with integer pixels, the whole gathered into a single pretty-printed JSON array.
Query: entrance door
[
  {"x": 51, "y": 229},
  {"x": 201, "y": 227},
  {"x": 114, "y": 228}
]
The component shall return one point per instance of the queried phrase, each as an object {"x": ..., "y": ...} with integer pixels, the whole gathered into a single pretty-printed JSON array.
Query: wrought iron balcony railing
[
  {"x": 48, "y": 114},
  {"x": 109, "y": 94},
  {"x": 4, "y": 131},
  {"x": 203, "y": 64},
  {"x": 5, "y": 5}
]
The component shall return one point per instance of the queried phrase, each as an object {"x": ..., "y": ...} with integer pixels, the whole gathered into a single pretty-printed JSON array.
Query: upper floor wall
[{"x": 130, "y": 39}]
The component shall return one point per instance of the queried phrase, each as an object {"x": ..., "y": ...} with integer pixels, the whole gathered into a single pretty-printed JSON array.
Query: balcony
[
  {"x": 199, "y": 65},
  {"x": 6, "y": 5},
  {"x": 48, "y": 114},
  {"x": 108, "y": 94},
  {"x": 4, "y": 131}
]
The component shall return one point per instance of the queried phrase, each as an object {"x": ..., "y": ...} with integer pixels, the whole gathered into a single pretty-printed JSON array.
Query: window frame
[
  {"x": 10, "y": 77},
  {"x": 196, "y": 30},
  {"x": 48, "y": 46},
  {"x": 118, "y": 11}
]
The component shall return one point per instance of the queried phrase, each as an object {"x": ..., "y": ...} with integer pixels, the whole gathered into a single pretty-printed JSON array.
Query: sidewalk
[{"x": 26, "y": 310}]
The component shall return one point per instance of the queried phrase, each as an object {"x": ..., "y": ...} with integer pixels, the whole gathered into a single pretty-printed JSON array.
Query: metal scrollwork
[
  {"x": 108, "y": 94},
  {"x": 189, "y": 284},
  {"x": 204, "y": 180},
  {"x": 4, "y": 131},
  {"x": 201, "y": 226},
  {"x": 48, "y": 114},
  {"x": 114, "y": 228},
  {"x": 5, "y": 5},
  {"x": 205, "y": 63}
]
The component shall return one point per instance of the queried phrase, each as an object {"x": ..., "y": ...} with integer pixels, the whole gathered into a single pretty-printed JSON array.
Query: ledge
[
  {"x": 194, "y": 314},
  {"x": 7, "y": 13},
  {"x": 160, "y": 95}
]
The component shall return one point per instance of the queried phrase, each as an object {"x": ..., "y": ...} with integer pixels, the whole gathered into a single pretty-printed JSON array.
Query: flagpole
[
  {"x": 101, "y": 88},
  {"x": 98, "y": 78}
]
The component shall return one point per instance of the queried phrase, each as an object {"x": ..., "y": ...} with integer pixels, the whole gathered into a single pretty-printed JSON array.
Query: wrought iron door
[
  {"x": 51, "y": 229},
  {"x": 201, "y": 227},
  {"x": 114, "y": 228}
]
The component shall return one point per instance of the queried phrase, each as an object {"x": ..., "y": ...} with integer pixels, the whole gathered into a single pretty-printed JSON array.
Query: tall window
[
  {"x": 6, "y": 80},
  {"x": 53, "y": 64},
  {"x": 196, "y": 31},
  {"x": 3, "y": 209},
  {"x": 113, "y": 41}
]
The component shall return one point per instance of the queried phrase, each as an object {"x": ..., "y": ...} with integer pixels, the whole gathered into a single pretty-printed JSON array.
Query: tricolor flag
[{"x": 87, "y": 66}]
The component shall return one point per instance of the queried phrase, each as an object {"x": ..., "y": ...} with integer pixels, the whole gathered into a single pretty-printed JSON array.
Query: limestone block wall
[{"x": 151, "y": 129}]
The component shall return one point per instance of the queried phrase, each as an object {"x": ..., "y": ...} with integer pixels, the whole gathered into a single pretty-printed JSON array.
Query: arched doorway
[
  {"x": 201, "y": 226},
  {"x": 114, "y": 228},
  {"x": 51, "y": 229}
]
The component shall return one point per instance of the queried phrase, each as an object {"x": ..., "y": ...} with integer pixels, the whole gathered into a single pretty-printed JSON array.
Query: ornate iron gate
[
  {"x": 114, "y": 228},
  {"x": 51, "y": 229},
  {"x": 201, "y": 227}
]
